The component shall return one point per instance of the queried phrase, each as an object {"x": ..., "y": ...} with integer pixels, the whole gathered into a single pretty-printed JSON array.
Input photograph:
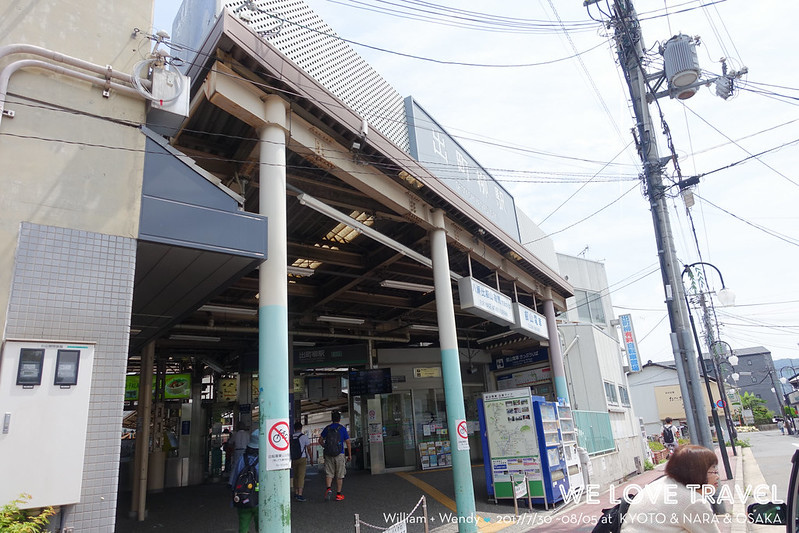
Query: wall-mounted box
[{"x": 44, "y": 394}]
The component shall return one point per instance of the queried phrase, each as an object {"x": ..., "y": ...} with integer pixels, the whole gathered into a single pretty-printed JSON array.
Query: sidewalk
[
  {"x": 583, "y": 516},
  {"x": 381, "y": 500}
]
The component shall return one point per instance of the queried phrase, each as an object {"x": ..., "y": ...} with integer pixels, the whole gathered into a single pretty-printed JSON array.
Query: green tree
[
  {"x": 15, "y": 520},
  {"x": 758, "y": 406}
]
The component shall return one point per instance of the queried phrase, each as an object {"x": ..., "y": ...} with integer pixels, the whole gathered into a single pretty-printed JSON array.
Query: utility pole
[{"x": 630, "y": 49}]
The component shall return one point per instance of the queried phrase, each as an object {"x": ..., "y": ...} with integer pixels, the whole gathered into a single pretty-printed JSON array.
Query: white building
[{"x": 595, "y": 372}]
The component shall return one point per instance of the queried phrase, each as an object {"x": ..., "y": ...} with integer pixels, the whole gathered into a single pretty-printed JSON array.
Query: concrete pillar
[
  {"x": 555, "y": 353},
  {"x": 143, "y": 414},
  {"x": 273, "y": 354},
  {"x": 451, "y": 370}
]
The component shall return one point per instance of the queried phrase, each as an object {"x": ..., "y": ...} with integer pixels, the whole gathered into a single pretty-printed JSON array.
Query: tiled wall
[{"x": 78, "y": 286}]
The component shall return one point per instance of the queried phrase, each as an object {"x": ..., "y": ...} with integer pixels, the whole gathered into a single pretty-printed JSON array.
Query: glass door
[{"x": 399, "y": 443}]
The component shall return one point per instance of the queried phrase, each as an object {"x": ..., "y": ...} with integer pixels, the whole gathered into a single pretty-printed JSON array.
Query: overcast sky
[{"x": 557, "y": 135}]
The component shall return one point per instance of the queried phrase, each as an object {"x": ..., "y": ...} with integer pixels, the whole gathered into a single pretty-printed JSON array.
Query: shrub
[
  {"x": 655, "y": 446},
  {"x": 648, "y": 465},
  {"x": 15, "y": 520},
  {"x": 743, "y": 443}
]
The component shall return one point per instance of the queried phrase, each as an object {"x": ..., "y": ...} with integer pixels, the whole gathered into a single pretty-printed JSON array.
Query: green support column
[{"x": 451, "y": 370}]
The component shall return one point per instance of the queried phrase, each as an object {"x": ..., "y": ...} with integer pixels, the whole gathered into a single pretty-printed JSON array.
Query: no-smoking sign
[
  {"x": 462, "y": 435},
  {"x": 278, "y": 437}
]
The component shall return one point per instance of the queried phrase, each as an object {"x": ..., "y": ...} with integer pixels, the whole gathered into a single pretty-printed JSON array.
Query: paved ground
[{"x": 378, "y": 499}]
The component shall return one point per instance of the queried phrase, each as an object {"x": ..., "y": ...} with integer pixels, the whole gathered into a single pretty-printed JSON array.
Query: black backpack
[
  {"x": 332, "y": 443},
  {"x": 668, "y": 435},
  {"x": 612, "y": 518},
  {"x": 296, "y": 449},
  {"x": 245, "y": 489}
]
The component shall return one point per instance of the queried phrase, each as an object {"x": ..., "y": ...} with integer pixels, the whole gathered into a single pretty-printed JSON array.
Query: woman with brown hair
[{"x": 678, "y": 501}]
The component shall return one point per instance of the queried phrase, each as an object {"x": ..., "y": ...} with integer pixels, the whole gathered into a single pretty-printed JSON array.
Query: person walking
[
  {"x": 240, "y": 439},
  {"x": 781, "y": 425},
  {"x": 678, "y": 501},
  {"x": 301, "y": 457},
  {"x": 333, "y": 440},
  {"x": 249, "y": 458},
  {"x": 669, "y": 435}
]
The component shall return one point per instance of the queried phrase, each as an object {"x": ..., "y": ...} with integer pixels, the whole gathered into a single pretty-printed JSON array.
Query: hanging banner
[{"x": 630, "y": 344}]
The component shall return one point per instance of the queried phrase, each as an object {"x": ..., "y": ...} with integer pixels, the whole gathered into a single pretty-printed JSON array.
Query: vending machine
[{"x": 522, "y": 441}]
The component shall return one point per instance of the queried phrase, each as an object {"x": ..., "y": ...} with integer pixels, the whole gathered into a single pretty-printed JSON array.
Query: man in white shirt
[
  {"x": 240, "y": 440},
  {"x": 301, "y": 457}
]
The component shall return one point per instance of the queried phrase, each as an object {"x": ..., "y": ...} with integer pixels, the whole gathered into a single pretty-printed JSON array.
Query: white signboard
[
  {"x": 530, "y": 323},
  {"x": 481, "y": 300},
  {"x": 519, "y": 488},
  {"x": 399, "y": 527},
  {"x": 278, "y": 439}
]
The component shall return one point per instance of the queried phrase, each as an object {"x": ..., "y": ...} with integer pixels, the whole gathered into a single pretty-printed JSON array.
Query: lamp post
[
  {"x": 714, "y": 412},
  {"x": 732, "y": 360},
  {"x": 784, "y": 380},
  {"x": 736, "y": 394}
]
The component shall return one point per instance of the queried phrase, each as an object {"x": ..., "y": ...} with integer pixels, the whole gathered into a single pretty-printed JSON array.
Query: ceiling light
[
  {"x": 423, "y": 327},
  {"x": 404, "y": 285},
  {"x": 232, "y": 310},
  {"x": 303, "y": 343},
  {"x": 340, "y": 319},
  {"x": 201, "y": 338},
  {"x": 495, "y": 337},
  {"x": 300, "y": 272}
]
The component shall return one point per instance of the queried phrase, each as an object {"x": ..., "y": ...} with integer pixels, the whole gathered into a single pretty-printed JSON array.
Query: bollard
[
  {"x": 357, "y": 523},
  {"x": 424, "y": 510}
]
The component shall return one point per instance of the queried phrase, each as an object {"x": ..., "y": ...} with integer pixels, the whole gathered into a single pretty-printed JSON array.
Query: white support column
[
  {"x": 555, "y": 353},
  {"x": 273, "y": 365}
]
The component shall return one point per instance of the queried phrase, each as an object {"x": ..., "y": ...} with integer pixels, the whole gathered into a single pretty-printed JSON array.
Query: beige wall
[
  {"x": 670, "y": 404},
  {"x": 61, "y": 167}
]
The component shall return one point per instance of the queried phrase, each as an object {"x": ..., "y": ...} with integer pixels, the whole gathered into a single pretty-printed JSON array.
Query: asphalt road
[{"x": 773, "y": 452}]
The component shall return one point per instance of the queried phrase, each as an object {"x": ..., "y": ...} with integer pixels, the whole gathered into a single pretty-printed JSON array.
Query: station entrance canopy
[{"x": 358, "y": 217}]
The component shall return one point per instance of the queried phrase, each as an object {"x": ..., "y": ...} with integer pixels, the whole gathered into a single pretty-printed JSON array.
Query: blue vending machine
[{"x": 550, "y": 442}]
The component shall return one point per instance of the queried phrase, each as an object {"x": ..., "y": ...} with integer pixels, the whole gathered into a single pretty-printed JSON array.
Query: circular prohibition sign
[
  {"x": 279, "y": 436},
  {"x": 720, "y": 403},
  {"x": 462, "y": 431}
]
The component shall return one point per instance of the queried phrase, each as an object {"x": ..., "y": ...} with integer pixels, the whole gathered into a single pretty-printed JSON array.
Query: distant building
[
  {"x": 655, "y": 394},
  {"x": 756, "y": 375}
]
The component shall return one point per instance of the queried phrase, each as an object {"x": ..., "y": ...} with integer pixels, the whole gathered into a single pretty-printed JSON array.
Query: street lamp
[
  {"x": 735, "y": 393},
  {"x": 714, "y": 412}
]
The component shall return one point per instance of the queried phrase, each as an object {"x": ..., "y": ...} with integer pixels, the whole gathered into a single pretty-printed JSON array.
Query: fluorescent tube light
[
  {"x": 300, "y": 272},
  {"x": 495, "y": 337},
  {"x": 303, "y": 343},
  {"x": 201, "y": 338},
  {"x": 340, "y": 320},
  {"x": 232, "y": 310},
  {"x": 407, "y": 286},
  {"x": 423, "y": 327}
]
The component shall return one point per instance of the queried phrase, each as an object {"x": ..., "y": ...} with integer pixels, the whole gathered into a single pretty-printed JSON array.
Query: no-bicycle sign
[{"x": 278, "y": 437}]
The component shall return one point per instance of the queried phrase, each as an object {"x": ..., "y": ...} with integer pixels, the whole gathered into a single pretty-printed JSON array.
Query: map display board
[{"x": 512, "y": 440}]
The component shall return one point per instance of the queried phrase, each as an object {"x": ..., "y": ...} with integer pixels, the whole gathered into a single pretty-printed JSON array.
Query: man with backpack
[
  {"x": 301, "y": 456},
  {"x": 244, "y": 484},
  {"x": 332, "y": 441},
  {"x": 669, "y": 435}
]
